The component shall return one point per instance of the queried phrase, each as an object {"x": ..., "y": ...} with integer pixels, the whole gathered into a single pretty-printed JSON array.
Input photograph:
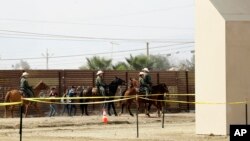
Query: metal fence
[{"x": 178, "y": 82}]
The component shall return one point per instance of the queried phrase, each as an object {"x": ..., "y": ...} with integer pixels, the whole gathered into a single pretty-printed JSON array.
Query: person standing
[{"x": 52, "y": 106}]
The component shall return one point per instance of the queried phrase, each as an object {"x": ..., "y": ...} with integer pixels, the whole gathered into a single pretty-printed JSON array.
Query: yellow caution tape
[
  {"x": 96, "y": 102},
  {"x": 10, "y": 103},
  {"x": 186, "y": 102}
]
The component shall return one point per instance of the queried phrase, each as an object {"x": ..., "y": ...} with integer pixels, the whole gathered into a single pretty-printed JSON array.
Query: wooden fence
[{"x": 179, "y": 82}]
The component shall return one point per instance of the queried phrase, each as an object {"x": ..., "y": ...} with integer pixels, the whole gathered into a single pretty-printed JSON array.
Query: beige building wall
[
  {"x": 222, "y": 44},
  {"x": 210, "y": 67},
  {"x": 237, "y": 69}
]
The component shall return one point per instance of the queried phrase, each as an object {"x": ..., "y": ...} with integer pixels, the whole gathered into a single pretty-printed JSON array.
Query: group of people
[{"x": 144, "y": 80}]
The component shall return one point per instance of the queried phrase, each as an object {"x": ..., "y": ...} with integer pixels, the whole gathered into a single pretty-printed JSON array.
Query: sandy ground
[{"x": 178, "y": 127}]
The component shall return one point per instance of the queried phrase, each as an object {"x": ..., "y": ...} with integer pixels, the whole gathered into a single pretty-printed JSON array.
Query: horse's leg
[
  {"x": 5, "y": 113},
  {"x": 109, "y": 106},
  {"x": 12, "y": 110},
  {"x": 128, "y": 107},
  {"x": 122, "y": 106},
  {"x": 113, "y": 106},
  {"x": 86, "y": 110},
  {"x": 26, "y": 110},
  {"x": 37, "y": 109},
  {"x": 159, "y": 108}
]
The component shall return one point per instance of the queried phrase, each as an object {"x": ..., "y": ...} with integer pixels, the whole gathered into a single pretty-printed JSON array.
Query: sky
[{"x": 71, "y": 30}]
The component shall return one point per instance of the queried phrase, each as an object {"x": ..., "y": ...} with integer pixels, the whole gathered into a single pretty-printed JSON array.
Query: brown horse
[
  {"x": 157, "y": 94},
  {"x": 16, "y": 96}
]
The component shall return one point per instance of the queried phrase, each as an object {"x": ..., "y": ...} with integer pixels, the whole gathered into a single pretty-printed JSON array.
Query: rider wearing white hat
[
  {"x": 145, "y": 70},
  {"x": 147, "y": 79},
  {"x": 24, "y": 85},
  {"x": 100, "y": 83}
]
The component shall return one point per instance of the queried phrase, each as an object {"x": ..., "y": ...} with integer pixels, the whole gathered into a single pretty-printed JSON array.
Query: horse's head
[
  {"x": 118, "y": 81},
  {"x": 164, "y": 87},
  {"x": 39, "y": 87},
  {"x": 134, "y": 82}
]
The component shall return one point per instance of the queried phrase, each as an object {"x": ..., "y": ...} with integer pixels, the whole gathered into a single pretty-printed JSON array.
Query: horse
[
  {"x": 16, "y": 96},
  {"x": 84, "y": 92},
  {"x": 157, "y": 94},
  {"x": 110, "y": 91}
]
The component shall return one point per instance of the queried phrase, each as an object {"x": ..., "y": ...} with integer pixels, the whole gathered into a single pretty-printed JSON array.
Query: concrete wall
[
  {"x": 238, "y": 69},
  {"x": 210, "y": 73},
  {"x": 222, "y": 47}
]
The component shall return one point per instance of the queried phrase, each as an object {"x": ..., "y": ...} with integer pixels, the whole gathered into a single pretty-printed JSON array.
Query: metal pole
[
  {"x": 163, "y": 112},
  {"x": 147, "y": 49},
  {"x": 246, "y": 113},
  {"x": 137, "y": 124},
  {"x": 21, "y": 122}
]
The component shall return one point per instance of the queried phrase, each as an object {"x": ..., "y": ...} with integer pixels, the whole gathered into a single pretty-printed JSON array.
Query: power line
[
  {"x": 31, "y": 35},
  {"x": 100, "y": 53}
]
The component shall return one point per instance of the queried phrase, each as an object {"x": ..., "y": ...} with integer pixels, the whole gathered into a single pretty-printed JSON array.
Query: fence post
[
  {"x": 21, "y": 121},
  {"x": 187, "y": 91}
]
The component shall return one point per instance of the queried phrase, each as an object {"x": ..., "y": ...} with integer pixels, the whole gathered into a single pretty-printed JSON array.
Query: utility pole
[
  {"x": 47, "y": 55},
  {"x": 112, "y": 45},
  {"x": 147, "y": 49}
]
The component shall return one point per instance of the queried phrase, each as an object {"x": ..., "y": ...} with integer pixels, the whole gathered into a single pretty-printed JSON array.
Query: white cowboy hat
[
  {"x": 25, "y": 74},
  {"x": 99, "y": 72},
  {"x": 141, "y": 73},
  {"x": 145, "y": 69}
]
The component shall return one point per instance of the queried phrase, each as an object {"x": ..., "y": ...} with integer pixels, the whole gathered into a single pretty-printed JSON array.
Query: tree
[
  {"x": 120, "y": 66},
  {"x": 98, "y": 63},
  {"x": 154, "y": 62},
  {"x": 160, "y": 62},
  {"x": 188, "y": 65},
  {"x": 23, "y": 65},
  {"x": 139, "y": 62}
]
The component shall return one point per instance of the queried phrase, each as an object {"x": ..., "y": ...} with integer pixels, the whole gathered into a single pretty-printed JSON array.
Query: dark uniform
[
  {"x": 24, "y": 86},
  {"x": 100, "y": 85},
  {"x": 148, "y": 82}
]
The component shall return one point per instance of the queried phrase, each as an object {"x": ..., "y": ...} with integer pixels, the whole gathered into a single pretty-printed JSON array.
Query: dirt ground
[{"x": 178, "y": 127}]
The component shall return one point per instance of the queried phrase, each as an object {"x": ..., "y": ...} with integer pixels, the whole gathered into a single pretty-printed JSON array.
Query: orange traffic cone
[{"x": 104, "y": 117}]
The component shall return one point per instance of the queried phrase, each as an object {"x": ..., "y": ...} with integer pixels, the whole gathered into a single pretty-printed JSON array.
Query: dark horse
[
  {"x": 157, "y": 93},
  {"x": 16, "y": 96},
  {"x": 110, "y": 91}
]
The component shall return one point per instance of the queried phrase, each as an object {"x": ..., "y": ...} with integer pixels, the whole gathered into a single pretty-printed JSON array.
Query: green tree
[
  {"x": 99, "y": 63},
  {"x": 154, "y": 62},
  {"x": 160, "y": 62},
  {"x": 121, "y": 66},
  {"x": 138, "y": 62}
]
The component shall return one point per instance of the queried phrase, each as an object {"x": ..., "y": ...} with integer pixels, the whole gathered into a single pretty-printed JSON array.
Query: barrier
[
  {"x": 10, "y": 103},
  {"x": 121, "y": 98}
]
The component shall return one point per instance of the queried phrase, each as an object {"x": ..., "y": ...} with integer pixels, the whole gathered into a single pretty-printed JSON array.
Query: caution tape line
[
  {"x": 101, "y": 97},
  {"x": 84, "y": 103},
  {"x": 186, "y": 102},
  {"x": 10, "y": 103}
]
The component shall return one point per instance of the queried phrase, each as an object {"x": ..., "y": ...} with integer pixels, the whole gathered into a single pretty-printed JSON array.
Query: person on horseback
[
  {"x": 143, "y": 86},
  {"x": 147, "y": 80},
  {"x": 25, "y": 87},
  {"x": 100, "y": 83}
]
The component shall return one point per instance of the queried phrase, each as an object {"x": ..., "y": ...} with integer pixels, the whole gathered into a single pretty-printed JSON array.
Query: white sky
[{"x": 25, "y": 25}]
